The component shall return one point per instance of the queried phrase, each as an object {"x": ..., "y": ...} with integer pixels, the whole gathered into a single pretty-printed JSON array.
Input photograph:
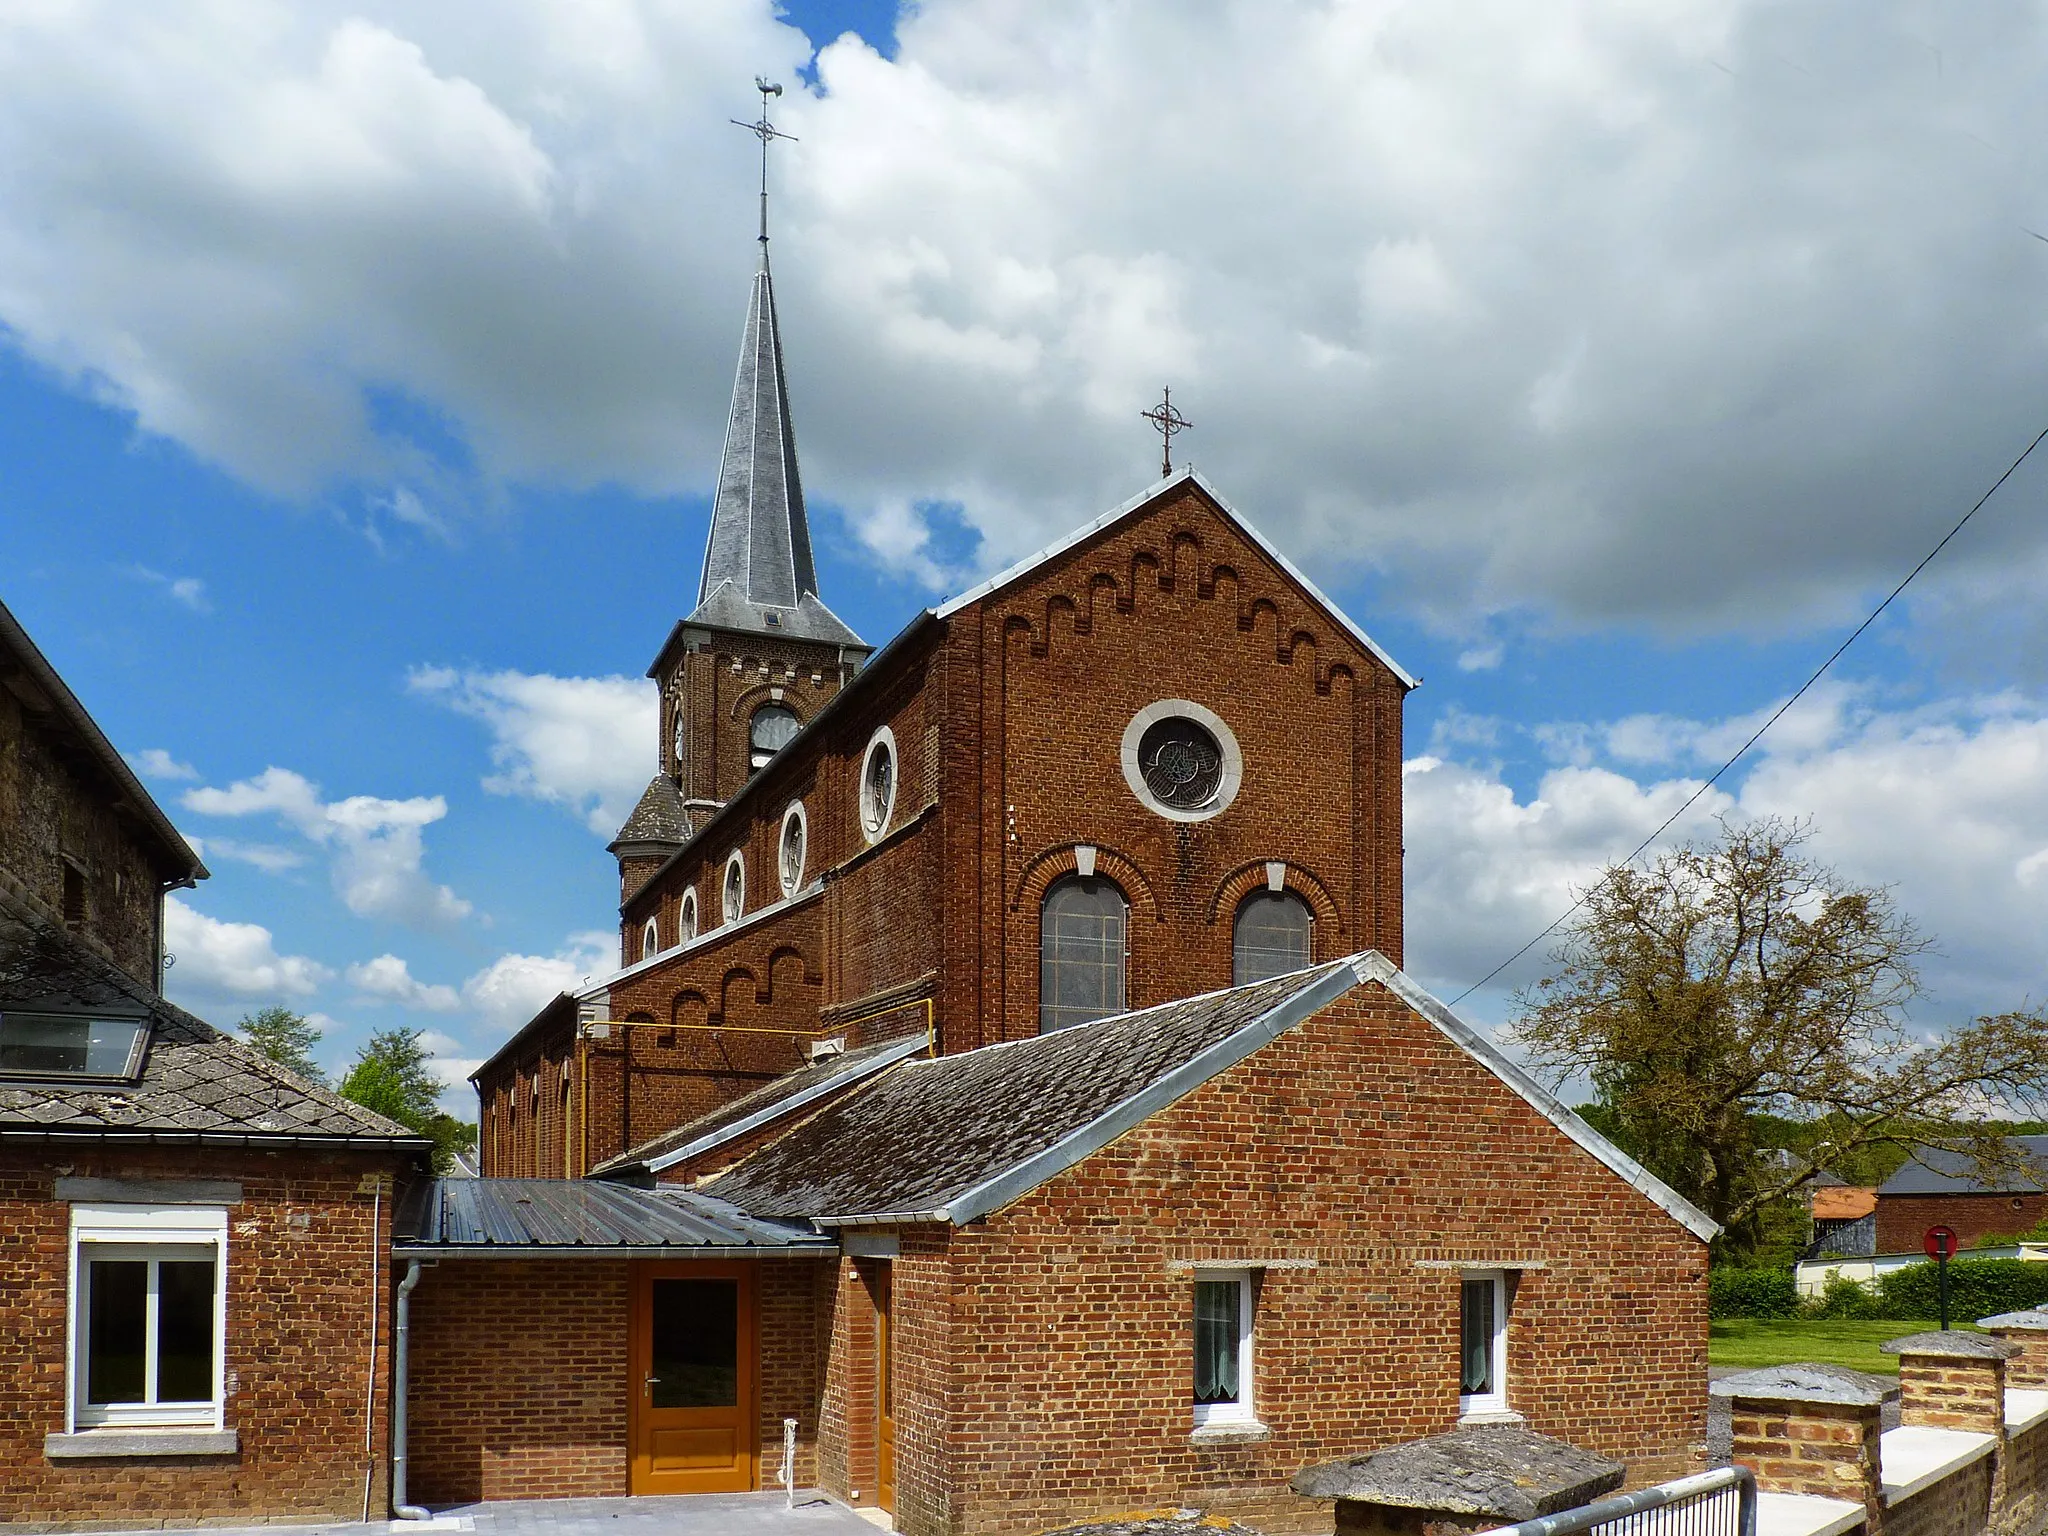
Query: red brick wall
[
  {"x": 300, "y": 1309},
  {"x": 1361, "y": 1140},
  {"x": 1903, "y": 1220},
  {"x": 1008, "y": 720},
  {"x": 519, "y": 1377}
]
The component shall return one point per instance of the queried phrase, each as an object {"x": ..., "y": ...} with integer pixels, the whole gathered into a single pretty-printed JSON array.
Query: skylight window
[{"x": 62, "y": 1045}]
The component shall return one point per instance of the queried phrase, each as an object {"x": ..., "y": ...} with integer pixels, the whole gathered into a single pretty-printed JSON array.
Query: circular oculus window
[
  {"x": 878, "y": 784},
  {"x": 735, "y": 888},
  {"x": 790, "y": 853},
  {"x": 1181, "y": 760}
]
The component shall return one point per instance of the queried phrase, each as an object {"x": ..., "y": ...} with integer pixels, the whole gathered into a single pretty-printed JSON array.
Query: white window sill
[
  {"x": 1490, "y": 1416},
  {"x": 1229, "y": 1432},
  {"x": 142, "y": 1442}
]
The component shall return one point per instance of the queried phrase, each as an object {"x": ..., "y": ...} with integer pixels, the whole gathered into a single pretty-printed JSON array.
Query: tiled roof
[
  {"x": 955, "y": 1138},
  {"x": 1933, "y": 1171},
  {"x": 441, "y": 1215},
  {"x": 196, "y": 1082},
  {"x": 766, "y": 1103},
  {"x": 1845, "y": 1204},
  {"x": 930, "y": 1131},
  {"x": 659, "y": 817}
]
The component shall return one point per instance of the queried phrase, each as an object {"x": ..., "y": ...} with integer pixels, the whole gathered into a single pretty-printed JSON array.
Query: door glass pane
[
  {"x": 1477, "y": 1375},
  {"x": 184, "y": 1332},
  {"x": 1216, "y": 1333},
  {"x": 117, "y": 1317},
  {"x": 696, "y": 1344}
]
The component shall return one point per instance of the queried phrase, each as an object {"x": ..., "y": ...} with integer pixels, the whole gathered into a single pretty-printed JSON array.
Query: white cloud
[
  {"x": 452, "y": 1064},
  {"x": 189, "y": 591},
  {"x": 389, "y": 979},
  {"x": 156, "y": 763},
  {"x": 271, "y": 858},
  {"x": 1946, "y": 806},
  {"x": 218, "y": 960},
  {"x": 586, "y": 743},
  {"x": 376, "y": 845},
  {"x": 1480, "y": 658},
  {"x": 511, "y": 989},
  {"x": 1686, "y": 312}
]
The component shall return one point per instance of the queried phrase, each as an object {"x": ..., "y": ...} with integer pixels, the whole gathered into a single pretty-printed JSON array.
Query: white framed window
[
  {"x": 1483, "y": 1342},
  {"x": 650, "y": 940},
  {"x": 793, "y": 848},
  {"x": 878, "y": 784},
  {"x": 735, "y": 888},
  {"x": 148, "y": 1316},
  {"x": 773, "y": 727},
  {"x": 1223, "y": 1348},
  {"x": 686, "y": 917}
]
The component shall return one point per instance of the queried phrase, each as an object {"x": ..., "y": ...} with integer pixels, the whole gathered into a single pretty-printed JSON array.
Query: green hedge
[
  {"x": 1753, "y": 1293},
  {"x": 1976, "y": 1288}
]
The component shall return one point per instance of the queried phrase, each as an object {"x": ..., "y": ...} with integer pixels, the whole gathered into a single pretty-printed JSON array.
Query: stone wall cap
[
  {"x": 1952, "y": 1345},
  {"x": 1500, "y": 1471},
  {"x": 2032, "y": 1321},
  {"x": 1807, "y": 1384}
]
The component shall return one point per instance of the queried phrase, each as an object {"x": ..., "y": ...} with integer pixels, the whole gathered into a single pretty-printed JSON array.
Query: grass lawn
[{"x": 1749, "y": 1342}]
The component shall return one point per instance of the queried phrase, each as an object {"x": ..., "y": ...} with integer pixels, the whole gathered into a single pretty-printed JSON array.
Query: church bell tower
[{"x": 760, "y": 654}]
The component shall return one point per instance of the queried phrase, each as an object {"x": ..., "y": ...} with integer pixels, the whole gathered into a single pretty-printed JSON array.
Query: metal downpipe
[{"x": 400, "y": 1359}]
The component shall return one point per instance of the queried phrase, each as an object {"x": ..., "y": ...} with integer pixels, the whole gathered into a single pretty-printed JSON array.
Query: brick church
[{"x": 1009, "y": 1083}]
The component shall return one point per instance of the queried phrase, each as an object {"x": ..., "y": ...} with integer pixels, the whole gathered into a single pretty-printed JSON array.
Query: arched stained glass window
[
  {"x": 771, "y": 729},
  {"x": 1270, "y": 936},
  {"x": 1080, "y": 953},
  {"x": 686, "y": 918},
  {"x": 650, "y": 940}
]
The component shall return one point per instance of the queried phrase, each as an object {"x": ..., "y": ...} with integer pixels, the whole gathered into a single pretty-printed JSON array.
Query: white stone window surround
[
  {"x": 1233, "y": 758},
  {"x": 141, "y": 1232},
  {"x": 650, "y": 939},
  {"x": 875, "y": 817},
  {"x": 1239, "y": 1413},
  {"x": 1494, "y": 1402},
  {"x": 732, "y": 888},
  {"x": 686, "y": 917},
  {"x": 790, "y": 871}
]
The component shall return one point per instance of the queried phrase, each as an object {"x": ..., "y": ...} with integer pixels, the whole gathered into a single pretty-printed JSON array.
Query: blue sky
[{"x": 352, "y": 478}]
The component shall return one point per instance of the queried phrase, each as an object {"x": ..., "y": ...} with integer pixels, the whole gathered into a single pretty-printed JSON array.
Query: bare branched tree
[{"x": 1743, "y": 978}]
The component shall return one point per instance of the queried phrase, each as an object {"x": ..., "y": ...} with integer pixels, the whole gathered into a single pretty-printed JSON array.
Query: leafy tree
[
  {"x": 391, "y": 1077},
  {"x": 284, "y": 1037},
  {"x": 1742, "y": 980}
]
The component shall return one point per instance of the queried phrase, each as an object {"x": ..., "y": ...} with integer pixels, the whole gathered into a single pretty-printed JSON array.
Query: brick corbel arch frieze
[
  {"x": 1242, "y": 882},
  {"x": 1049, "y": 866},
  {"x": 750, "y": 699}
]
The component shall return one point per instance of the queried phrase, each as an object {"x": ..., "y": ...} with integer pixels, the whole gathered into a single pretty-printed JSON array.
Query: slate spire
[{"x": 758, "y": 572}]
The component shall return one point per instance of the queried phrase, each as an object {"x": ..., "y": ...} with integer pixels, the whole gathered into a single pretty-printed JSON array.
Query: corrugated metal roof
[{"x": 522, "y": 1217}]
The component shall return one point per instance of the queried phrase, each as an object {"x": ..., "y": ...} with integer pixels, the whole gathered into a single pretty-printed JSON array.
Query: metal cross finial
[
  {"x": 764, "y": 131},
  {"x": 1168, "y": 421}
]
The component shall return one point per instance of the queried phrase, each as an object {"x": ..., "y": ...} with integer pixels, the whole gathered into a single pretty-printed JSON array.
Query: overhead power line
[{"x": 1758, "y": 735}]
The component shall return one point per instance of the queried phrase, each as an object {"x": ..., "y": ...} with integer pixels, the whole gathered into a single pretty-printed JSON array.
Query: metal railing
[{"x": 1717, "y": 1503}]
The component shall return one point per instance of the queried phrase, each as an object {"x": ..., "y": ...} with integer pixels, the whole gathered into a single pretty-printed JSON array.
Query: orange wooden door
[
  {"x": 695, "y": 1379},
  {"x": 885, "y": 1391}
]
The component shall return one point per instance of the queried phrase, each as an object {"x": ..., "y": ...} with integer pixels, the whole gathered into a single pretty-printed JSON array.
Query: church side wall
[{"x": 1364, "y": 1147}]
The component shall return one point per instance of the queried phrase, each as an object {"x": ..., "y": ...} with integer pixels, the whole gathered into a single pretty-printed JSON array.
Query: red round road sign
[{"x": 1940, "y": 1242}]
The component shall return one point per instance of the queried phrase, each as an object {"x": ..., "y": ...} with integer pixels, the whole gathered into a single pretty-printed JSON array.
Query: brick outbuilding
[{"x": 1168, "y": 1257}]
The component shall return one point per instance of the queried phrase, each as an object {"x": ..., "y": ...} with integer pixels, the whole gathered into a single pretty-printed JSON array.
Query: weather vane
[
  {"x": 1168, "y": 421},
  {"x": 765, "y": 131}
]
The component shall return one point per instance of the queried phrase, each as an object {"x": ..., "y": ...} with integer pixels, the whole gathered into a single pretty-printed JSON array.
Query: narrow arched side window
[
  {"x": 1270, "y": 937},
  {"x": 734, "y": 901},
  {"x": 1081, "y": 952},
  {"x": 650, "y": 940},
  {"x": 772, "y": 728},
  {"x": 686, "y": 918}
]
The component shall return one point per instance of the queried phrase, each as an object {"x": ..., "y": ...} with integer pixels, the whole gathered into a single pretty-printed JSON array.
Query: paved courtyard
[{"x": 704, "y": 1514}]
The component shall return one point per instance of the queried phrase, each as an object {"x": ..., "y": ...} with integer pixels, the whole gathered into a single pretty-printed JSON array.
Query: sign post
[{"x": 1940, "y": 1243}]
